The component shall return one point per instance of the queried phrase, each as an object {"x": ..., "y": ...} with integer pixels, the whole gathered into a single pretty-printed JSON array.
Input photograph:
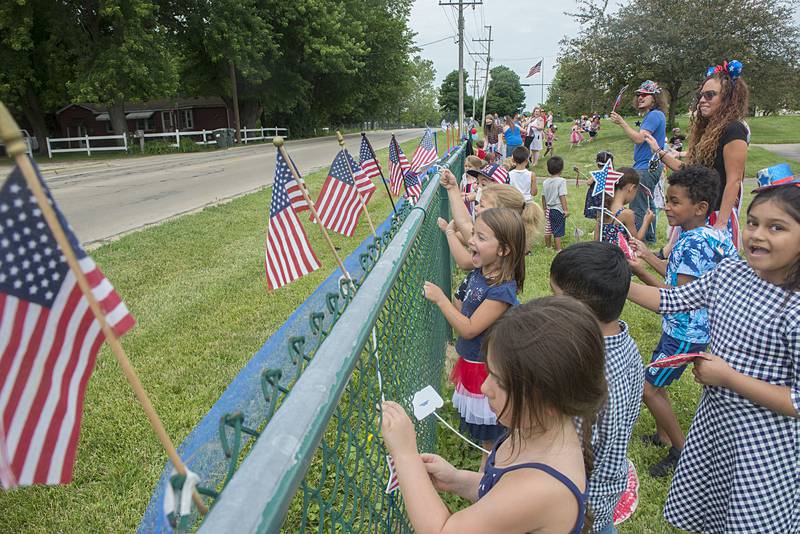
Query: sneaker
[
  {"x": 653, "y": 439},
  {"x": 667, "y": 465}
]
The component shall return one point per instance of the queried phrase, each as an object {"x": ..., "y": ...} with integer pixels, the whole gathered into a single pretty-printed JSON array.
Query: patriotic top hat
[
  {"x": 495, "y": 172},
  {"x": 777, "y": 175}
]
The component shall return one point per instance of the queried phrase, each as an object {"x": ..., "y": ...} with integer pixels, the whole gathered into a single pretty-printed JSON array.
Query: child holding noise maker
[
  {"x": 739, "y": 469},
  {"x": 535, "y": 477},
  {"x": 624, "y": 192}
]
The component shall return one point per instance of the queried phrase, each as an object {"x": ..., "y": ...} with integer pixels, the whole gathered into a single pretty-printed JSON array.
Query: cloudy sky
[{"x": 523, "y": 32}]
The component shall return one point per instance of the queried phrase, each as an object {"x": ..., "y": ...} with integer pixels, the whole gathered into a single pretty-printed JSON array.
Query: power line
[{"x": 437, "y": 41}]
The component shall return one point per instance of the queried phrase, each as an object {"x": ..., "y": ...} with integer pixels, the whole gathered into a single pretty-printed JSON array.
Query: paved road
[
  {"x": 106, "y": 199},
  {"x": 791, "y": 151}
]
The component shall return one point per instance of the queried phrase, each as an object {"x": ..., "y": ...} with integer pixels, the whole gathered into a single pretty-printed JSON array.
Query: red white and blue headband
[{"x": 732, "y": 68}]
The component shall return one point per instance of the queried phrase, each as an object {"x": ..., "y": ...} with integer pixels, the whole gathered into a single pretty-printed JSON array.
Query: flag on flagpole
[
  {"x": 398, "y": 165},
  {"x": 425, "y": 152},
  {"x": 536, "y": 69},
  {"x": 338, "y": 205},
  {"x": 413, "y": 185},
  {"x": 49, "y": 339},
  {"x": 288, "y": 255},
  {"x": 368, "y": 162},
  {"x": 605, "y": 178},
  {"x": 362, "y": 180}
]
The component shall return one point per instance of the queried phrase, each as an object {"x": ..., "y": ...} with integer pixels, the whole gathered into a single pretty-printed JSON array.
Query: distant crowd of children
[{"x": 553, "y": 387}]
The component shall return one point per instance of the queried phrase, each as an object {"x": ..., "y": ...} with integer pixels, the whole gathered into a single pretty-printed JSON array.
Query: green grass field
[{"x": 196, "y": 287}]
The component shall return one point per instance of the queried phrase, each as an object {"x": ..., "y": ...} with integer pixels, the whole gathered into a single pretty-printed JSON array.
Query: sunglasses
[{"x": 708, "y": 95}]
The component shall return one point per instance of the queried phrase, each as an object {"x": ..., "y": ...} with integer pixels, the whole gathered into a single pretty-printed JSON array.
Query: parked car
[{"x": 33, "y": 143}]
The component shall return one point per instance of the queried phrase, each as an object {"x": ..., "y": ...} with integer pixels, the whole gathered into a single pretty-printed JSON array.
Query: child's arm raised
[
  {"x": 457, "y": 208},
  {"x": 461, "y": 255},
  {"x": 647, "y": 255},
  {"x": 467, "y": 327}
]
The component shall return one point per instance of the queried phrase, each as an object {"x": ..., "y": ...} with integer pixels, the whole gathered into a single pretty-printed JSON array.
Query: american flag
[
  {"x": 398, "y": 165},
  {"x": 362, "y": 180},
  {"x": 536, "y": 69},
  {"x": 369, "y": 164},
  {"x": 425, "y": 152},
  {"x": 49, "y": 339},
  {"x": 619, "y": 98},
  {"x": 293, "y": 189},
  {"x": 289, "y": 255},
  {"x": 392, "y": 484},
  {"x": 605, "y": 178},
  {"x": 338, "y": 205},
  {"x": 413, "y": 185}
]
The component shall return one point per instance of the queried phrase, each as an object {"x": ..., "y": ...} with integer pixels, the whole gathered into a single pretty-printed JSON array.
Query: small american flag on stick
[
  {"x": 48, "y": 341},
  {"x": 413, "y": 185},
  {"x": 536, "y": 69},
  {"x": 338, "y": 205},
  {"x": 363, "y": 182},
  {"x": 425, "y": 152},
  {"x": 289, "y": 255},
  {"x": 368, "y": 162},
  {"x": 392, "y": 484},
  {"x": 398, "y": 165}
]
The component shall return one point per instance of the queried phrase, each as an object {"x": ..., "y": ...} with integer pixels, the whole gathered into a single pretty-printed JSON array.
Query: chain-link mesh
[{"x": 343, "y": 489}]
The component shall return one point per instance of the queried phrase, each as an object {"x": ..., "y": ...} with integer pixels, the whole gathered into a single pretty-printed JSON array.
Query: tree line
[
  {"x": 301, "y": 64},
  {"x": 504, "y": 96},
  {"x": 673, "y": 42}
]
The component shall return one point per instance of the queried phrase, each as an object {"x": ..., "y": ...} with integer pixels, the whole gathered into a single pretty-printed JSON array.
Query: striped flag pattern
[
  {"x": 369, "y": 164},
  {"x": 296, "y": 197},
  {"x": 425, "y": 152},
  {"x": 49, "y": 339},
  {"x": 398, "y": 165},
  {"x": 392, "y": 484},
  {"x": 289, "y": 255},
  {"x": 338, "y": 205},
  {"x": 413, "y": 185},
  {"x": 536, "y": 69},
  {"x": 362, "y": 180},
  {"x": 605, "y": 178}
]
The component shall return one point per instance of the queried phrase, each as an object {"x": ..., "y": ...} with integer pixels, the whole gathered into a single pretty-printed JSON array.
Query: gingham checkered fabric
[
  {"x": 610, "y": 435},
  {"x": 739, "y": 471}
]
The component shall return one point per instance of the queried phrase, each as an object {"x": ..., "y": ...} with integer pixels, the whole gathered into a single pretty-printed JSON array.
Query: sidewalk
[{"x": 791, "y": 151}]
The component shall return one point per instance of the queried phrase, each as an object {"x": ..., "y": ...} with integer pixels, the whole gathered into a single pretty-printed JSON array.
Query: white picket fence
[{"x": 207, "y": 136}]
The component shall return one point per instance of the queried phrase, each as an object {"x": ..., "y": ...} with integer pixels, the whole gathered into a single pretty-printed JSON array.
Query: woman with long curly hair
[{"x": 718, "y": 138}]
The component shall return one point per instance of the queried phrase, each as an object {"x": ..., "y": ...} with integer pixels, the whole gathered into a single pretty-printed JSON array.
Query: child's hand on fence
[
  {"x": 443, "y": 475},
  {"x": 397, "y": 430},
  {"x": 445, "y": 226},
  {"x": 447, "y": 179},
  {"x": 433, "y": 292}
]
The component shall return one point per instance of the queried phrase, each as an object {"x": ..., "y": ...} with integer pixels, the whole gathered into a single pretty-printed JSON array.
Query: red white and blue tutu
[{"x": 477, "y": 418}]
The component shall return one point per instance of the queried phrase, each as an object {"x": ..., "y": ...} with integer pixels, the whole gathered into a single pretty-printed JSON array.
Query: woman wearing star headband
[{"x": 718, "y": 138}]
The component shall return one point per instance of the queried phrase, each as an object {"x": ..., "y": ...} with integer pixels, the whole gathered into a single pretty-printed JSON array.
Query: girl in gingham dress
[{"x": 739, "y": 471}]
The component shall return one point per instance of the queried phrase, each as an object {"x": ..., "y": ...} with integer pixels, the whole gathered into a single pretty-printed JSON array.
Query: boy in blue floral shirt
[{"x": 699, "y": 249}]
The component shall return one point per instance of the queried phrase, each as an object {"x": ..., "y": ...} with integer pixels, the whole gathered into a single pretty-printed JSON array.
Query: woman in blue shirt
[{"x": 513, "y": 135}]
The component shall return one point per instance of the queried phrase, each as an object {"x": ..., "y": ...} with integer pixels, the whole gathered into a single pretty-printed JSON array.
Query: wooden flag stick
[
  {"x": 380, "y": 171},
  {"x": 340, "y": 137},
  {"x": 15, "y": 148},
  {"x": 278, "y": 142}
]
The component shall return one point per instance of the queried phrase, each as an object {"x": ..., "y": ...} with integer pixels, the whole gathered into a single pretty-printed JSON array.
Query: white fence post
[
  {"x": 88, "y": 146},
  {"x": 177, "y": 138},
  {"x": 49, "y": 154},
  {"x": 204, "y": 137},
  {"x": 125, "y": 141}
]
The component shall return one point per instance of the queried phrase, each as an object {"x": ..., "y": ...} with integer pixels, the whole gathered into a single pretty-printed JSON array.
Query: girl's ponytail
[
  {"x": 588, "y": 463},
  {"x": 508, "y": 196},
  {"x": 532, "y": 219}
]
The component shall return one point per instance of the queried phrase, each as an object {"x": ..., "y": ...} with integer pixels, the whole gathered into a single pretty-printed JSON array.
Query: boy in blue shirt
[{"x": 700, "y": 248}]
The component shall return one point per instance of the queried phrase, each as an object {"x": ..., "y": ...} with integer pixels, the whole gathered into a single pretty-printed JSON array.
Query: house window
[
  {"x": 145, "y": 124},
  {"x": 166, "y": 119},
  {"x": 187, "y": 119}
]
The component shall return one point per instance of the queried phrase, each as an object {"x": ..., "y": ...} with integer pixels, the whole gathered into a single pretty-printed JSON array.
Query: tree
[
  {"x": 418, "y": 105},
  {"x": 123, "y": 54},
  {"x": 505, "y": 95},
  {"x": 448, "y": 97},
  {"x": 676, "y": 51}
]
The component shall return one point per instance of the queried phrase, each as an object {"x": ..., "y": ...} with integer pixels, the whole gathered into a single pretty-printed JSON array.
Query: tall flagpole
[
  {"x": 542, "y": 72},
  {"x": 340, "y": 138},
  {"x": 377, "y": 164},
  {"x": 15, "y": 147},
  {"x": 278, "y": 143}
]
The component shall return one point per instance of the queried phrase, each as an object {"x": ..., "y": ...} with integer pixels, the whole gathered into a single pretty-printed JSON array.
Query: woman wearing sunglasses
[{"x": 718, "y": 138}]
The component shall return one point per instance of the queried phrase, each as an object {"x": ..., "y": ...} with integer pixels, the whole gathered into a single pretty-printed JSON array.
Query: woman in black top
[{"x": 718, "y": 138}]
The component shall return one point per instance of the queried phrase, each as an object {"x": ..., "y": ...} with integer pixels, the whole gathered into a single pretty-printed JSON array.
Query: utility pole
[
  {"x": 474, "y": 89},
  {"x": 488, "y": 62},
  {"x": 461, "y": 4}
]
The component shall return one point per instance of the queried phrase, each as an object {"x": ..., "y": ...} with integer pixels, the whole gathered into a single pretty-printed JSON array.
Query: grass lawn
[{"x": 196, "y": 287}]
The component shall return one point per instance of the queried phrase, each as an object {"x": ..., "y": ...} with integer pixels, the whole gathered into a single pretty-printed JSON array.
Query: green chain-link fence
[{"x": 319, "y": 464}]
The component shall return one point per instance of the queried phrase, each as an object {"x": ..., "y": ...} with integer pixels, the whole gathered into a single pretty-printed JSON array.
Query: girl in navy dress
[
  {"x": 498, "y": 259},
  {"x": 739, "y": 471},
  {"x": 545, "y": 361}
]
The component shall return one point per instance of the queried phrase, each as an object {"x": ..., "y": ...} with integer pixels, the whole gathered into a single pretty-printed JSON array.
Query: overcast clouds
[{"x": 523, "y": 32}]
